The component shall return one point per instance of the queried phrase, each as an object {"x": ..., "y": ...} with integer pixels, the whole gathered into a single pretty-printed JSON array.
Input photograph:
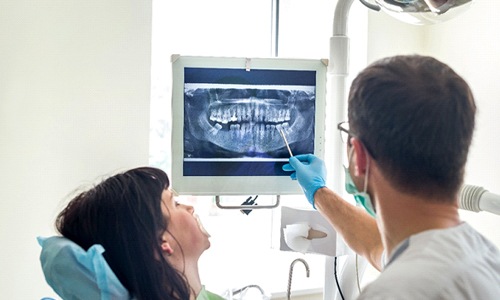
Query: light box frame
[{"x": 217, "y": 185}]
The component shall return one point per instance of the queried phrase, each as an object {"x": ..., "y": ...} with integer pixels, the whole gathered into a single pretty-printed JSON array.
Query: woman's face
[{"x": 185, "y": 233}]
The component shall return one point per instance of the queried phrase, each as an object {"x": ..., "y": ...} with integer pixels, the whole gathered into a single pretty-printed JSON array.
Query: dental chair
[{"x": 74, "y": 273}]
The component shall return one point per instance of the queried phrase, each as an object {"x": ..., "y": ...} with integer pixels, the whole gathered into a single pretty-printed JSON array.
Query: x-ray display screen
[
  {"x": 233, "y": 118},
  {"x": 229, "y": 115}
]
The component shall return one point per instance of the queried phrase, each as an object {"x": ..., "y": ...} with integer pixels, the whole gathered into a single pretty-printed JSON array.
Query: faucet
[
  {"x": 291, "y": 273},
  {"x": 235, "y": 292}
]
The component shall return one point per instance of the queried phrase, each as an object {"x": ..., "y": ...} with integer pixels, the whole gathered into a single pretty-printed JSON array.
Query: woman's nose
[{"x": 189, "y": 208}]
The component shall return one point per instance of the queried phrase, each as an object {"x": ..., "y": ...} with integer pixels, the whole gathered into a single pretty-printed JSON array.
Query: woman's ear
[
  {"x": 166, "y": 248},
  {"x": 165, "y": 245},
  {"x": 360, "y": 157}
]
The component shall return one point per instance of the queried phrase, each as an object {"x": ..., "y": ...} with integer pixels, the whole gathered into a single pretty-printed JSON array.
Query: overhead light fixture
[{"x": 420, "y": 12}]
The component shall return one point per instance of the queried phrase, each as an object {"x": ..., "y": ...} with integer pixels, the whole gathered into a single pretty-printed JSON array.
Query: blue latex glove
[{"x": 310, "y": 171}]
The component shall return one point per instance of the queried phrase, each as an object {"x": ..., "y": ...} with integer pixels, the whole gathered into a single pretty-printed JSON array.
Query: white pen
[{"x": 286, "y": 142}]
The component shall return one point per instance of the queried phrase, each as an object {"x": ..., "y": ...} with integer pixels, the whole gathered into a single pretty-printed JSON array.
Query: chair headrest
[{"x": 74, "y": 273}]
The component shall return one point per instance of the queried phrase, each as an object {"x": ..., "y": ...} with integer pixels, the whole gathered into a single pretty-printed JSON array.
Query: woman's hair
[{"x": 123, "y": 214}]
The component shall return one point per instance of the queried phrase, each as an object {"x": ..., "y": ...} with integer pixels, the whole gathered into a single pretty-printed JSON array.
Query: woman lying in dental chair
[{"x": 127, "y": 238}]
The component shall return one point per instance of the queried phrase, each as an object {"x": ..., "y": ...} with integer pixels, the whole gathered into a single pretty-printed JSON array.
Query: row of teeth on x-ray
[
  {"x": 247, "y": 114},
  {"x": 257, "y": 130}
]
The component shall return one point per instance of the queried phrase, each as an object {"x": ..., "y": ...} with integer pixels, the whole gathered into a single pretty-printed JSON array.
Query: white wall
[
  {"x": 388, "y": 36},
  {"x": 470, "y": 44},
  {"x": 74, "y": 105}
]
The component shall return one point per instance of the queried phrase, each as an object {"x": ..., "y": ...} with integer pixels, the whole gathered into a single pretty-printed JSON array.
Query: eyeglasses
[{"x": 345, "y": 134}]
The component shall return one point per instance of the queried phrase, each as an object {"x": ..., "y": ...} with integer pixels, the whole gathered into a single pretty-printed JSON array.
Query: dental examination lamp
[
  {"x": 417, "y": 12},
  {"x": 420, "y": 12}
]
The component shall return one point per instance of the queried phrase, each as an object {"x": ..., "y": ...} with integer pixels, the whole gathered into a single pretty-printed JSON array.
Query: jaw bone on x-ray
[{"x": 227, "y": 122}]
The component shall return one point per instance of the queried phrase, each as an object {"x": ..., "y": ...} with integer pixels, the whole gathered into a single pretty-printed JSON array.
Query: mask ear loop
[
  {"x": 349, "y": 157},
  {"x": 365, "y": 188}
]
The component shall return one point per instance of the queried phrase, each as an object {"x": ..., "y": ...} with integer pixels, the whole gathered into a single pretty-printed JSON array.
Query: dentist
[{"x": 411, "y": 120}]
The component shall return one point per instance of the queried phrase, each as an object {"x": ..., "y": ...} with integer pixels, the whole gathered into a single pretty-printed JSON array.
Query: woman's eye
[{"x": 177, "y": 203}]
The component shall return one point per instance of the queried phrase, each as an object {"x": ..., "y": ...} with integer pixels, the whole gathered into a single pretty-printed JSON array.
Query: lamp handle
[{"x": 370, "y": 5}]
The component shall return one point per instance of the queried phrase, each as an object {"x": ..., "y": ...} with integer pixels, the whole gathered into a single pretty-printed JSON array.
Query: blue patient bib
[{"x": 74, "y": 273}]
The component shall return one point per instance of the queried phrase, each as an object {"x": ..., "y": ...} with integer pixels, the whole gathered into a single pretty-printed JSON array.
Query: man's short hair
[{"x": 415, "y": 116}]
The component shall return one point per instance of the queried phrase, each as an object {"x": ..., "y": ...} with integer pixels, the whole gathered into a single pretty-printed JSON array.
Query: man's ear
[{"x": 360, "y": 157}]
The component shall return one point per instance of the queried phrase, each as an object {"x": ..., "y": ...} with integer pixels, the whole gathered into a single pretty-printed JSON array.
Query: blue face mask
[{"x": 362, "y": 198}]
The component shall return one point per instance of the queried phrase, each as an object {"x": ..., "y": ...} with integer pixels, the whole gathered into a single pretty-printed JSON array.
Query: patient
[{"x": 151, "y": 242}]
